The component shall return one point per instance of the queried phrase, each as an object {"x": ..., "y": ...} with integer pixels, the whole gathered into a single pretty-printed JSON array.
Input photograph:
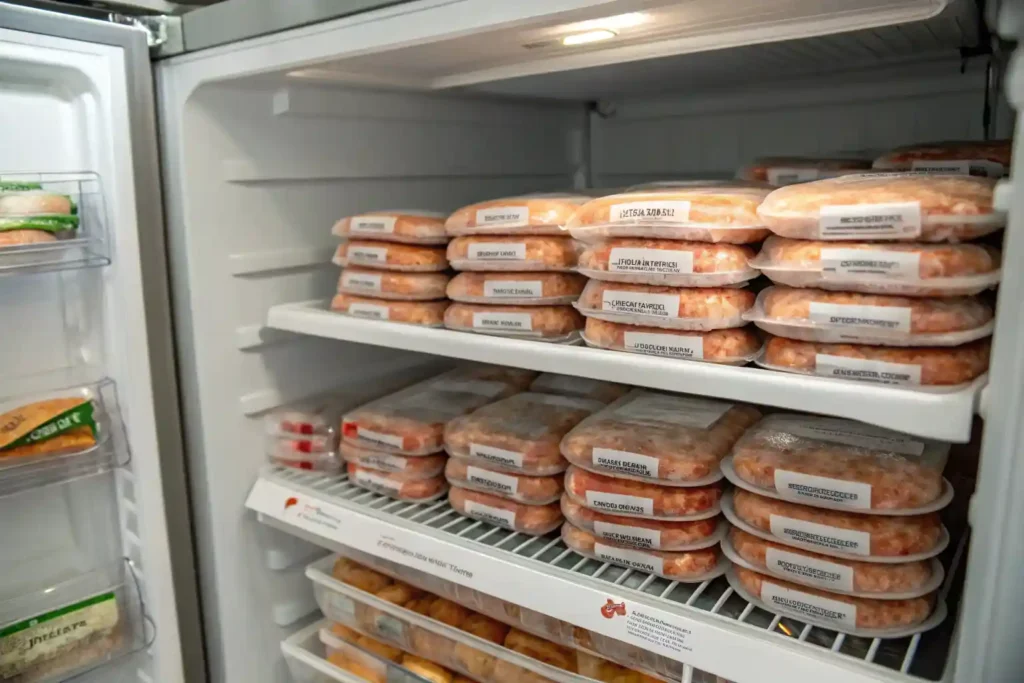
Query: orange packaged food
[
  {"x": 600, "y": 669},
  {"x": 533, "y": 520},
  {"x": 581, "y": 387},
  {"x": 389, "y": 485},
  {"x": 391, "y": 256},
  {"x": 989, "y": 158},
  {"x": 382, "y": 284},
  {"x": 558, "y": 324},
  {"x": 412, "y": 227},
  {"x": 426, "y": 313},
  {"x": 631, "y": 498},
  {"x": 517, "y": 487},
  {"x": 519, "y": 289},
  {"x": 523, "y": 253},
  {"x": 678, "y": 308},
  {"x": 542, "y": 650},
  {"x": 650, "y": 534},
  {"x": 735, "y": 346},
  {"x": 690, "y": 566},
  {"x": 780, "y": 171},
  {"x": 399, "y": 467},
  {"x": 667, "y": 262},
  {"x": 532, "y": 214}
]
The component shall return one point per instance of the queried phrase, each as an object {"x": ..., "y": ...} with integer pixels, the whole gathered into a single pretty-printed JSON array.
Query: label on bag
[
  {"x": 658, "y": 410},
  {"x": 640, "y": 303},
  {"x": 499, "y": 456},
  {"x": 623, "y": 462},
  {"x": 371, "y": 311},
  {"x": 382, "y": 462},
  {"x": 650, "y": 212},
  {"x": 503, "y": 322},
  {"x": 340, "y": 604},
  {"x": 371, "y": 256},
  {"x": 504, "y": 216},
  {"x": 378, "y": 438},
  {"x": 631, "y": 260},
  {"x": 892, "y": 265},
  {"x": 851, "y": 433},
  {"x": 809, "y": 570},
  {"x": 631, "y": 558},
  {"x": 390, "y": 628},
  {"x": 513, "y": 289},
  {"x": 976, "y": 167},
  {"x": 669, "y": 345},
  {"x": 810, "y": 606},
  {"x": 492, "y": 481},
  {"x": 636, "y": 536},
  {"x": 503, "y": 518},
  {"x": 864, "y": 370},
  {"x": 821, "y": 535},
  {"x": 616, "y": 502},
  {"x": 496, "y": 251},
  {"x": 811, "y": 489},
  {"x": 372, "y": 225},
  {"x": 788, "y": 176},
  {"x": 870, "y": 221},
  {"x": 883, "y": 318},
  {"x": 377, "y": 483},
  {"x": 364, "y": 282}
]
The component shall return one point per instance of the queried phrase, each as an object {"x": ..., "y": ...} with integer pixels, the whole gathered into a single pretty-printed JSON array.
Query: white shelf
[{"x": 946, "y": 416}]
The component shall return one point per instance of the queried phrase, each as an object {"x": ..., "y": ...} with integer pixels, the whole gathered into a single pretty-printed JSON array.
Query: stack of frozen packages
[
  {"x": 30, "y": 214},
  {"x": 666, "y": 264},
  {"x": 836, "y": 523},
  {"x": 781, "y": 171},
  {"x": 990, "y": 158},
  {"x": 305, "y": 435},
  {"x": 395, "y": 446},
  {"x": 875, "y": 278},
  {"x": 644, "y": 487},
  {"x": 394, "y": 267},
  {"x": 515, "y": 260}
]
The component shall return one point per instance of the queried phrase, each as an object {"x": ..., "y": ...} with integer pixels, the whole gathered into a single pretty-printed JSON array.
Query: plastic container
[
  {"x": 319, "y": 416},
  {"x": 398, "y": 467},
  {"x": 517, "y": 487},
  {"x": 704, "y": 211},
  {"x": 395, "y": 485},
  {"x": 885, "y": 206},
  {"x": 423, "y": 313},
  {"x": 668, "y": 263},
  {"x": 990, "y": 158},
  {"x": 532, "y": 214},
  {"x": 645, "y": 534},
  {"x": 878, "y": 268},
  {"x": 676, "y": 308},
  {"x": 907, "y": 366},
  {"x": 391, "y": 256},
  {"x": 834, "y": 317},
  {"x": 559, "y": 324},
  {"x": 518, "y": 289},
  {"x": 410, "y": 227},
  {"x": 779, "y": 171},
  {"x": 393, "y": 285},
  {"x": 519, "y": 434},
  {"x": 660, "y": 438},
  {"x": 736, "y": 346},
  {"x": 581, "y": 387},
  {"x": 695, "y": 566},
  {"x": 369, "y": 664},
  {"x": 532, "y": 520},
  {"x": 316, "y": 453},
  {"x": 630, "y": 498},
  {"x": 518, "y": 253},
  {"x": 31, "y": 212},
  {"x": 600, "y": 669}
]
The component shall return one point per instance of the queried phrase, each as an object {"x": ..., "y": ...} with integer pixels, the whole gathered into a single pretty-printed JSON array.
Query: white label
[
  {"x": 635, "y": 536},
  {"x": 496, "y": 251},
  {"x": 630, "y": 260},
  {"x": 631, "y": 558},
  {"x": 364, "y": 282},
  {"x": 884, "y": 318},
  {"x": 650, "y": 212},
  {"x": 787, "y": 176},
  {"x": 505, "y": 518},
  {"x": 864, "y": 370},
  {"x": 851, "y": 434},
  {"x": 870, "y": 221},
  {"x": 513, "y": 289},
  {"x": 809, "y": 570},
  {"x": 503, "y": 322},
  {"x": 367, "y": 255},
  {"x": 499, "y": 456},
  {"x": 340, "y": 604},
  {"x": 670, "y": 345},
  {"x": 390, "y": 628},
  {"x": 892, "y": 265},
  {"x": 810, "y": 606},
  {"x": 373, "y": 225},
  {"x": 502, "y": 484},
  {"x": 821, "y": 535},
  {"x": 683, "y": 411},
  {"x": 623, "y": 462},
  {"x": 376, "y": 482},
  {"x": 372, "y": 311},
  {"x": 389, "y": 440},
  {"x": 640, "y": 303},
  {"x": 615, "y": 502},
  {"x": 383, "y": 462},
  {"x": 504, "y": 216},
  {"x": 811, "y": 489},
  {"x": 977, "y": 167}
]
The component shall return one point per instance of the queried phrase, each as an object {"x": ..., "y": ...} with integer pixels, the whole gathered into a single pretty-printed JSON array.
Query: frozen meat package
[
  {"x": 391, "y": 256},
  {"x": 382, "y": 284},
  {"x": 678, "y": 308},
  {"x": 779, "y": 171},
  {"x": 397, "y": 486},
  {"x": 989, "y": 158},
  {"x": 704, "y": 211},
  {"x": 881, "y": 268},
  {"x": 630, "y": 498},
  {"x": 734, "y": 346},
  {"x": 667, "y": 262},
  {"x": 411, "y": 227},
  {"x": 532, "y": 520},
  {"x": 916, "y": 207},
  {"x": 519, "y": 434},
  {"x": 645, "y": 534},
  {"x": 835, "y": 317},
  {"x": 581, "y": 387},
  {"x": 517, "y": 289},
  {"x": 532, "y": 214},
  {"x": 425, "y": 313},
  {"x": 520, "y": 488},
  {"x": 660, "y": 438},
  {"x": 557, "y": 324},
  {"x": 398, "y": 467},
  {"x": 515, "y": 253}
]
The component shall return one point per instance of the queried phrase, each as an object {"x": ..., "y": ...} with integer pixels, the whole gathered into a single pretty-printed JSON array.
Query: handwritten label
[
  {"x": 623, "y": 462},
  {"x": 638, "y": 537},
  {"x": 630, "y": 558}
]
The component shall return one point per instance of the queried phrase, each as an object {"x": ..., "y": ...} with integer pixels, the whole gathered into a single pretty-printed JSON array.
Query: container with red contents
[
  {"x": 534, "y": 520},
  {"x": 646, "y": 534},
  {"x": 641, "y": 499},
  {"x": 518, "y": 487},
  {"x": 305, "y": 435},
  {"x": 398, "y": 467}
]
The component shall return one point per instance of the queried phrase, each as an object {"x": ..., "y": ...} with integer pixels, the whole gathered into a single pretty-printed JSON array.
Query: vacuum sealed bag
[
  {"x": 391, "y": 256},
  {"x": 412, "y": 227},
  {"x": 515, "y": 253},
  {"x": 533, "y": 520},
  {"x": 630, "y": 498},
  {"x": 649, "y": 534},
  {"x": 559, "y": 324},
  {"x": 667, "y": 263},
  {"x": 520, "y": 488},
  {"x": 989, "y": 158},
  {"x": 736, "y": 346},
  {"x": 382, "y": 284},
  {"x": 517, "y": 289},
  {"x": 424, "y": 313},
  {"x": 779, "y": 171},
  {"x": 532, "y": 214},
  {"x": 678, "y": 308}
]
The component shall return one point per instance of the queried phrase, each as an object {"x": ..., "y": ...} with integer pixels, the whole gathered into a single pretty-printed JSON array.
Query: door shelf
[
  {"x": 702, "y": 625},
  {"x": 944, "y": 415}
]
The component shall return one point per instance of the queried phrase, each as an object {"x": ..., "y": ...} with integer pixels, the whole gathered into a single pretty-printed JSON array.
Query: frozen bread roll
[
  {"x": 978, "y": 157},
  {"x": 634, "y": 532},
  {"x": 543, "y": 323},
  {"x": 34, "y": 203},
  {"x": 424, "y": 668},
  {"x": 516, "y": 253},
  {"x": 517, "y": 487},
  {"x": 520, "y": 289},
  {"x": 667, "y": 262},
  {"x": 393, "y": 285},
  {"x": 780, "y": 171},
  {"x": 533, "y": 520},
  {"x": 412, "y": 227},
  {"x": 641, "y": 499},
  {"x": 600, "y": 669},
  {"x": 396, "y": 487},
  {"x": 885, "y": 206},
  {"x": 680, "y": 308},
  {"x": 905, "y": 366},
  {"x": 391, "y": 256},
  {"x": 426, "y": 313},
  {"x": 542, "y": 650},
  {"x": 693, "y": 565},
  {"x": 534, "y": 214},
  {"x": 12, "y": 237},
  {"x": 734, "y": 346},
  {"x": 399, "y": 467}
]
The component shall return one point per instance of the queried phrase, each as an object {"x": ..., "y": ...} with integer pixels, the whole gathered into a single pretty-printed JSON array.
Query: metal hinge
[{"x": 163, "y": 31}]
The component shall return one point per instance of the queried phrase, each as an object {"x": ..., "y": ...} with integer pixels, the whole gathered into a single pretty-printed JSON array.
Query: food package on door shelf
[
  {"x": 397, "y": 486},
  {"x": 989, "y": 158},
  {"x": 30, "y": 213},
  {"x": 834, "y": 317},
  {"x": 599, "y": 669},
  {"x": 316, "y": 452},
  {"x": 885, "y": 206},
  {"x": 555, "y": 324},
  {"x": 735, "y": 346},
  {"x": 582, "y": 387},
  {"x": 518, "y": 289},
  {"x": 518, "y": 487},
  {"x": 840, "y": 464},
  {"x": 398, "y": 467},
  {"x": 532, "y": 214},
  {"x": 779, "y": 171},
  {"x": 925, "y": 366},
  {"x": 630, "y": 498},
  {"x": 52, "y": 424},
  {"x": 703, "y": 211},
  {"x": 677, "y": 308},
  {"x": 667, "y": 262},
  {"x": 391, "y": 256},
  {"x": 660, "y": 438},
  {"x": 519, "y": 434},
  {"x": 645, "y": 534},
  {"x": 410, "y": 227},
  {"x": 424, "y": 313},
  {"x": 514, "y": 253},
  {"x": 382, "y": 284},
  {"x": 533, "y": 520}
]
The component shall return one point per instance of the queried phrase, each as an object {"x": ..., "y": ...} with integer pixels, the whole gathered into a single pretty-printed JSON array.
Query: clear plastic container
[
  {"x": 661, "y": 438},
  {"x": 881, "y": 268},
  {"x": 532, "y": 520},
  {"x": 677, "y": 308},
  {"x": 315, "y": 452},
  {"x": 630, "y": 498},
  {"x": 391, "y": 256},
  {"x": 600, "y": 669},
  {"x": 397, "y": 486},
  {"x": 779, "y": 171},
  {"x": 365, "y": 658},
  {"x": 317, "y": 416},
  {"x": 393, "y": 285},
  {"x": 518, "y": 289},
  {"x": 410, "y": 227},
  {"x": 517, "y": 487},
  {"x": 645, "y": 534},
  {"x": 581, "y": 387},
  {"x": 989, "y": 158},
  {"x": 667, "y": 263},
  {"x": 736, "y": 346},
  {"x": 559, "y": 324},
  {"x": 398, "y": 467},
  {"x": 532, "y": 214},
  {"x": 424, "y": 313},
  {"x": 517, "y": 253},
  {"x": 519, "y": 434},
  {"x": 885, "y": 206}
]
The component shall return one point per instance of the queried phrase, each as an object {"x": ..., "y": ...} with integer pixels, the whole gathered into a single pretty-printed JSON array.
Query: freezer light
[
  {"x": 612, "y": 23},
  {"x": 588, "y": 37}
]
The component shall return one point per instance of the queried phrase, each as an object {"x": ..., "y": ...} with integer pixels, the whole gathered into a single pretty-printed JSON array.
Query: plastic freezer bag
[
  {"x": 560, "y": 324},
  {"x": 318, "y": 416},
  {"x": 314, "y": 452},
  {"x": 677, "y": 308},
  {"x": 631, "y": 498},
  {"x": 518, "y": 487},
  {"x": 518, "y": 289},
  {"x": 533, "y": 214},
  {"x": 736, "y": 346},
  {"x": 779, "y": 171},
  {"x": 581, "y": 387},
  {"x": 398, "y": 467},
  {"x": 382, "y": 284},
  {"x": 412, "y": 227},
  {"x": 989, "y": 158},
  {"x": 397, "y": 486},
  {"x": 519, "y": 253},
  {"x": 391, "y": 256},
  {"x": 425, "y": 313},
  {"x": 645, "y": 534},
  {"x": 667, "y": 262},
  {"x": 533, "y": 520}
]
